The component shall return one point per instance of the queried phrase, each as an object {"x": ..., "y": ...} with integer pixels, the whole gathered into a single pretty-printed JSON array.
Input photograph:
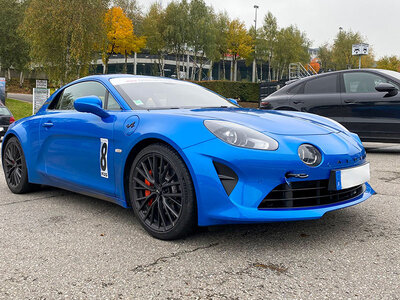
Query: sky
[{"x": 376, "y": 20}]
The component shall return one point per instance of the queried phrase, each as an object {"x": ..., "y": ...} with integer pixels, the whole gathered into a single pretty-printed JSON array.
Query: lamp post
[{"x": 254, "y": 60}]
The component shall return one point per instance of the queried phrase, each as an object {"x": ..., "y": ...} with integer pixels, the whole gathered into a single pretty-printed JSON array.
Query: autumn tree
[
  {"x": 133, "y": 11},
  {"x": 240, "y": 44},
  {"x": 120, "y": 36},
  {"x": 14, "y": 51},
  {"x": 389, "y": 63},
  {"x": 153, "y": 29}
]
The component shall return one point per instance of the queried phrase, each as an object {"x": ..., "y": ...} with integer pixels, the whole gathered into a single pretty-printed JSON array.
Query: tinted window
[
  {"x": 155, "y": 93},
  {"x": 112, "y": 103},
  {"x": 70, "y": 94},
  {"x": 321, "y": 85},
  {"x": 296, "y": 89},
  {"x": 362, "y": 82}
]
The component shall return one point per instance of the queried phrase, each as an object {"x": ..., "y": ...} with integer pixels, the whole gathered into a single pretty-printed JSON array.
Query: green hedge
[{"x": 245, "y": 91}]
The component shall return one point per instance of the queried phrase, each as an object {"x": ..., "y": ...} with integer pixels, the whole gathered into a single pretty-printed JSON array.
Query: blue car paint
[{"x": 66, "y": 155}]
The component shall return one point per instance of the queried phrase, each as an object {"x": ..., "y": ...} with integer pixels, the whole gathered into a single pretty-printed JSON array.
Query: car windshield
[
  {"x": 391, "y": 73},
  {"x": 148, "y": 93}
]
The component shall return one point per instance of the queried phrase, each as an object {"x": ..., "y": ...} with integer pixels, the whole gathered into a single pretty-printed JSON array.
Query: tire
[
  {"x": 14, "y": 166},
  {"x": 161, "y": 193}
]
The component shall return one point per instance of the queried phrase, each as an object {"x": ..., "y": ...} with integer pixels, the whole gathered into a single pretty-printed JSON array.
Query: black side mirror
[{"x": 388, "y": 88}]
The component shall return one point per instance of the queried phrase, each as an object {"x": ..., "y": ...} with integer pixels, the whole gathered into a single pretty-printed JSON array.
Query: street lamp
[{"x": 254, "y": 60}]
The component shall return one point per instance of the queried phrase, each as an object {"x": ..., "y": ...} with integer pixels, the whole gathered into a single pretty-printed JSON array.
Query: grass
[{"x": 19, "y": 109}]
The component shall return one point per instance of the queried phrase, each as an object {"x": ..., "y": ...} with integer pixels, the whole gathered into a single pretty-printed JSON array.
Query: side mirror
[
  {"x": 233, "y": 101},
  {"x": 91, "y": 104},
  {"x": 388, "y": 88}
]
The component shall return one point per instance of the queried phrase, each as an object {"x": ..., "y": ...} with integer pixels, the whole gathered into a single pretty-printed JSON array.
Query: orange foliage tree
[{"x": 121, "y": 38}]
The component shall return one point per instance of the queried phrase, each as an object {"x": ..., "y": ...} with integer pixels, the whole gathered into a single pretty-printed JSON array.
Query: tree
[
  {"x": 389, "y": 63},
  {"x": 270, "y": 35},
  {"x": 13, "y": 48},
  {"x": 153, "y": 29},
  {"x": 120, "y": 36},
  {"x": 240, "y": 43},
  {"x": 291, "y": 47},
  {"x": 325, "y": 58},
  {"x": 63, "y": 37},
  {"x": 221, "y": 42},
  {"x": 176, "y": 30},
  {"x": 133, "y": 11},
  {"x": 201, "y": 33}
]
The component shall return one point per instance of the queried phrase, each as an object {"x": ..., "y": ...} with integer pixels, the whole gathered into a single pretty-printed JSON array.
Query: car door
[
  {"x": 319, "y": 95},
  {"x": 78, "y": 148},
  {"x": 373, "y": 115}
]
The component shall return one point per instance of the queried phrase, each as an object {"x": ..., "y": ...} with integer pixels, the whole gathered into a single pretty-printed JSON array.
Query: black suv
[
  {"x": 6, "y": 118},
  {"x": 365, "y": 101}
]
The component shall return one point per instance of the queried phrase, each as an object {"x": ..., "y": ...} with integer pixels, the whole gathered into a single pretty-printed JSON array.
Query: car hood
[{"x": 277, "y": 122}]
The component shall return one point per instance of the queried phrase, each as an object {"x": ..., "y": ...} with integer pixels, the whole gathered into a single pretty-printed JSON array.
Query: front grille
[{"x": 306, "y": 194}]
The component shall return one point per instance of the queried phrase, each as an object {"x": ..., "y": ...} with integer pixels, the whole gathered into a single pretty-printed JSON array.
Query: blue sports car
[{"x": 181, "y": 155}]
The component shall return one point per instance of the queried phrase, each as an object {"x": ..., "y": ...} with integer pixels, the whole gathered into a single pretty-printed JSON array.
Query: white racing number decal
[{"x": 103, "y": 158}]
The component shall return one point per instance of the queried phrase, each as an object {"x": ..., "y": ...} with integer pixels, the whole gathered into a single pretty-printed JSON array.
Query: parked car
[
  {"x": 365, "y": 101},
  {"x": 181, "y": 155},
  {"x": 6, "y": 118}
]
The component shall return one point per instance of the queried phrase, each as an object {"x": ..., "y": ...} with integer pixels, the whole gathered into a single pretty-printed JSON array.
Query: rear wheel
[
  {"x": 161, "y": 193},
  {"x": 14, "y": 166}
]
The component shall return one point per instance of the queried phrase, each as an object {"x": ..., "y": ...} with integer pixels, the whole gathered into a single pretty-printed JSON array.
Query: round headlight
[{"x": 309, "y": 155}]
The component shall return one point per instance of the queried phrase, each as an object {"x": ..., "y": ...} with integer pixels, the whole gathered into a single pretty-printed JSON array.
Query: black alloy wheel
[
  {"x": 14, "y": 166},
  {"x": 161, "y": 192}
]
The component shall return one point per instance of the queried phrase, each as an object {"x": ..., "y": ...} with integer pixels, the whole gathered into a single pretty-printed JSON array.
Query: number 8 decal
[{"x": 103, "y": 158}]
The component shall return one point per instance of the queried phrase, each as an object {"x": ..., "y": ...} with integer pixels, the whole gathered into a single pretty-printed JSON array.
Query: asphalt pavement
[
  {"x": 22, "y": 97},
  {"x": 56, "y": 244}
]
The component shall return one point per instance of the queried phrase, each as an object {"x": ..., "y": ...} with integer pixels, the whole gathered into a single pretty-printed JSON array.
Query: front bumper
[{"x": 259, "y": 172}]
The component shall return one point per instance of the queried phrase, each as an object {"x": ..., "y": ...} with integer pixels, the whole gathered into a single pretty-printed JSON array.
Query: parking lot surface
[{"x": 56, "y": 244}]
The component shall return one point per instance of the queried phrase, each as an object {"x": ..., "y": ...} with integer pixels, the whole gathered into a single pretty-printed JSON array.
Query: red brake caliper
[{"x": 148, "y": 192}]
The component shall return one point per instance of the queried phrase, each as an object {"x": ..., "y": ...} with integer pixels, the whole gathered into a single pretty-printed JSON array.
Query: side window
[
  {"x": 362, "y": 82},
  {"x": 71, "y": 93},
  {"x": 112, "y": 104},
  {"x": 297, "y": 89},
  {"x": 321, "y": 85}
]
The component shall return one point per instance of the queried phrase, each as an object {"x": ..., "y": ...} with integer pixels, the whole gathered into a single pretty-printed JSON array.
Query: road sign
[
  {"x": 41, "y": 84},
  {"x": 40, "y": 96},
  {"x": 360, "y": 49},
  {"x": 3, "y": 90}
]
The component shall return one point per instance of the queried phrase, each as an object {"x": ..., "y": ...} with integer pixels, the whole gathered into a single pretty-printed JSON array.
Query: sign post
[
  {"x": 360, "y": 50},
  {"x": 40, "y": 94}
]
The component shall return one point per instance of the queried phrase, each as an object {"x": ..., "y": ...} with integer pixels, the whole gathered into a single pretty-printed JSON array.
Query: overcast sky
[{"x": 376, "y": 20}]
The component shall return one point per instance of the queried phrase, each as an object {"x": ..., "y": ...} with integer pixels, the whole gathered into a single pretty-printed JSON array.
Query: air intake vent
[
  {"x": 307, "y": 194},
  {"x": 227, "y": 176}
]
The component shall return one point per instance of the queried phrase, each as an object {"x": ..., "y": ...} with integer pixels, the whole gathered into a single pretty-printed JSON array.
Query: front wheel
[
  {"x": 14, "y": 166},
  {"x": 161, "y": 193}
]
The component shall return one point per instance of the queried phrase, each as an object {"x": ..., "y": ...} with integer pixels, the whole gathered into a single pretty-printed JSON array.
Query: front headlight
[{"x": 240, "y": 136}]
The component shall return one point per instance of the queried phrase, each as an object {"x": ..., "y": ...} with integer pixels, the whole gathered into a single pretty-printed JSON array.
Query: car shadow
[{"x": 342, "y": 226}]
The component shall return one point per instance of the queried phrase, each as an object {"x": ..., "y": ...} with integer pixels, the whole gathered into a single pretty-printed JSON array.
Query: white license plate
[
  {"x": 1, "y": 128},
  {"x": 347, "y": 178}
]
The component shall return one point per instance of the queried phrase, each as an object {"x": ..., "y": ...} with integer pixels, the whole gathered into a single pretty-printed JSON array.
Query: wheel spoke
[
  {"x": 170, "y": 209},
  {"x": 141, "y": 183},
  {"x": 155, "y": 169},
  {"x": 173, "y": 200},
  {"x": 148, "y": 175},
  {"x": 160, "y": 213},
  {"x": 170, "y": 184},
  {"x": 149, "y": 210},
  {"x": 145, "y": 201},
  {"x": 148, "y": 178}
]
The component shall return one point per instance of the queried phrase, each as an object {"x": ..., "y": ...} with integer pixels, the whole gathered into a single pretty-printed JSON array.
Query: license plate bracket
[{"x": 350, "y": 177}]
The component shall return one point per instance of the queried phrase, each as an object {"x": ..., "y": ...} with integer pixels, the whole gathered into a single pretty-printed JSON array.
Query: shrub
[{"x": 245, "y": 91}]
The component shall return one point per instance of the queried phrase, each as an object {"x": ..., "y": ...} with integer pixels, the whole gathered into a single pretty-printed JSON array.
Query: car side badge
[{"x": 130, "y": 125}]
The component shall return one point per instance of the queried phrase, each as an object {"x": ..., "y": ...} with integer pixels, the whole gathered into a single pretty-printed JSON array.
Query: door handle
[
  {"x": 298, "y": 101},
  {"x": 48, "y": 124}
]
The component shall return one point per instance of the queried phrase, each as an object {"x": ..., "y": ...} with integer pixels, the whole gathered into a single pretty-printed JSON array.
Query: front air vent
[{"x": 227, "y": 176}]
